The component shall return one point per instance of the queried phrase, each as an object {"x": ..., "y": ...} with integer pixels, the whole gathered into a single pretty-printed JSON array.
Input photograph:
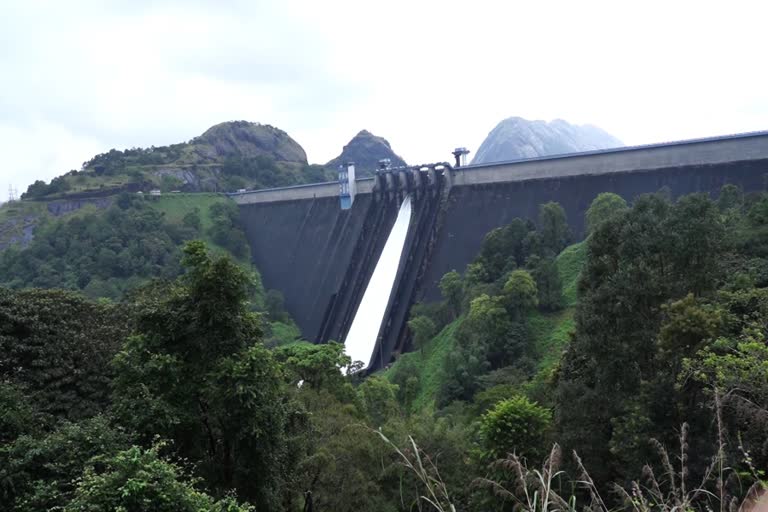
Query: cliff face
[
  {"x": 516, "y": 138},
  {"x": 365, "y": 150}
]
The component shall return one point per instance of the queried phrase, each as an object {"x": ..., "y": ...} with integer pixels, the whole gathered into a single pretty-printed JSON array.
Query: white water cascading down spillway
[{"x": 361, "y": 338}]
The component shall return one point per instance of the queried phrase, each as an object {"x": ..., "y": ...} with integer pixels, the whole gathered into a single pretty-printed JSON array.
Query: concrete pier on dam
[{"x": 321, "y": 257}]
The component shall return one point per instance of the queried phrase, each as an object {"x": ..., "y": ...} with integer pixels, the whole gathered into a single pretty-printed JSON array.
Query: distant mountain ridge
[
  {"x": 516, "y": 138},
  {"x": 365, "y": 150}
]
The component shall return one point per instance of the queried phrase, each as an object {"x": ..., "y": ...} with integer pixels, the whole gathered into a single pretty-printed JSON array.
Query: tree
[
  {"x": 317, "y": 366},
  {"x": 379, "y": 399},
  {"x": 548, "y": 284},
  {"x": 504, "y": 249},
  {"x": 57, "y": 346},
  {"x": 274, "y": 303},
  {"x": 423, "y": 330},
  {"x": 35, "y": 190},
  {"x": 520, "y": 293},
  {"x": 140, "y": 481},
  {"x": 617, "y": 380},
  {"x": 39, "y": 470},
  {"x": 731, "y": 197},
  {"x": 225, "y": 229},
  {"x": 197, "y": 373},
  {"x": 485, "y": 340},
  {"x": 192, "y": 220},
  {"x": 606, "y": 205},
  {"x": 553, "y": 228},
  {"x": 452, "y": 289},
  {"x": 515, "y": 425}
]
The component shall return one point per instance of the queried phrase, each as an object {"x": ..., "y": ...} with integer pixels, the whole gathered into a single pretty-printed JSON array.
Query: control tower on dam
[{"x": 321, "y": 256}]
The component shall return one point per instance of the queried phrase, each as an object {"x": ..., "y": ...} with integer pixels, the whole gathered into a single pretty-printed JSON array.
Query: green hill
[{"x": 227, "y": 157}]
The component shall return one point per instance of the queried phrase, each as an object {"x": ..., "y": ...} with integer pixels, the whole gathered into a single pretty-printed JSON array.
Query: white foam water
[{"x": 361, "y": 338}]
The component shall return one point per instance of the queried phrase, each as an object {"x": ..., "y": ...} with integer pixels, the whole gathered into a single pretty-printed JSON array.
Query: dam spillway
[
  {"x": 360, "y": 341},
  {"x": 322, "y": 257}
]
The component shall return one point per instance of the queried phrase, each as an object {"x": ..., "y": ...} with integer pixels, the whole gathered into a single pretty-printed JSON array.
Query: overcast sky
[{"x": 81, "y": 77}]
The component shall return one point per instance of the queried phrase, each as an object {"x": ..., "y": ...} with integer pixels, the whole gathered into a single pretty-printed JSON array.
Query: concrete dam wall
[{"x": 321, "y": 257}]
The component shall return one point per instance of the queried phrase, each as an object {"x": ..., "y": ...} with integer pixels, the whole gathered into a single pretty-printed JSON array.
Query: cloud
[{"x": 82, "y": 77}]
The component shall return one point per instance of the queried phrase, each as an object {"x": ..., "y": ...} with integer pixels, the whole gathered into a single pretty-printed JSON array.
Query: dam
[{"x": 322, "y": 257}]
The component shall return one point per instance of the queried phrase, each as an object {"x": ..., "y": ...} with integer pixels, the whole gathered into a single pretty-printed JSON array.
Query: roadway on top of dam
[{"x": 705, "y": 151}]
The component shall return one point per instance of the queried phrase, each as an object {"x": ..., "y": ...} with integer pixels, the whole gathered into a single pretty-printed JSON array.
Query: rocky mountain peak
[
  {"x": 516, "y": 138},
  {"x": 245, "y": 139},
  {"x": 365, "y": 150}
]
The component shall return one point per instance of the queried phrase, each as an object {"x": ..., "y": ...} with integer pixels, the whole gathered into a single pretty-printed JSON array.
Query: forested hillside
[
  {"x": 105, "y": 252},
  {"x": 641, "y": 348},
  {"x": 108, "y": 248}
]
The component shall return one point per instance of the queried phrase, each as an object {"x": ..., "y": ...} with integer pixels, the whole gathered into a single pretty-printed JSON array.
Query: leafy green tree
[
  {"x": 38, "y": 469},
  {"x": 548, "y": 283},
  {"x": 317, "y": 366},
  {"x": 553, "y": 228},
  {"x": 192, "y": 220},
  {"x": 452, "y": 289},
  {"x": 37, "y": 189},
  {"x": 616, "y": 385},
  {"x": 17, "y": 416},
  {"x": 379, "y": 399},
  {"x": 503, "y": 249},
  {"x": 347, "y": 467},
  {"x": 520, "y": 293},
  {"x": 731, "y": 198},
  {"x": 225, "y": 230},
  {"x": 606, "y": 205},
  {"x": 515, "y": 425},
  {"x": 56, "y": 346},
  {"x": 197, "y": 373},
  {"x": 423, "y": 330},
  {"x": 140, "y": 481},
  {"x": 487, "y": 339},
  {"x": 274, "y": 302}
]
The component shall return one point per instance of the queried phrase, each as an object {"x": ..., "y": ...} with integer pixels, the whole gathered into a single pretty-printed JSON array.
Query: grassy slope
[
  {"x": 551, "y": 331},
  {"x": 550, "y": 334},
  {"x": 570, "y": 263},
  {"x": 175, "y": 206},
  {"x": 431, "y": 363}
]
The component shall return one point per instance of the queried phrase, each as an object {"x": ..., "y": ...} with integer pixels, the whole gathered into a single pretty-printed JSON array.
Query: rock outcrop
[
  {"x": 516, "y": 138},
  {"x": 243, "y": 139},
  {"x": 365, "y": 150}
]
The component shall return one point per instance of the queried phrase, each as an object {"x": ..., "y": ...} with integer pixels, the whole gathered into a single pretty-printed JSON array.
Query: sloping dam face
[{"x": 322, "y": 257}]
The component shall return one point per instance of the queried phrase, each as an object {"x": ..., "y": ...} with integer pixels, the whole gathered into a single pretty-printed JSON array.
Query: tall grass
[{"x": 539, "y": 490}]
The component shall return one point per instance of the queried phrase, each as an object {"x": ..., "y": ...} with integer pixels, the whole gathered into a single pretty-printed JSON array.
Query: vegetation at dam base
[{"x": 171, "y": 399}]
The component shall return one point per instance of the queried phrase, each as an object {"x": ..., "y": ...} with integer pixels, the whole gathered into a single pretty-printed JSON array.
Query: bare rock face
[
  {"x": 365, "y": 150},
  {"x": 243, "y": 139},
  {"x": 516, "y": 138}
]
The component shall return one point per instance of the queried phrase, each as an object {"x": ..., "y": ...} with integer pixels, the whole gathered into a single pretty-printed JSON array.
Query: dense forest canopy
[{"x": 644, "y": 340}]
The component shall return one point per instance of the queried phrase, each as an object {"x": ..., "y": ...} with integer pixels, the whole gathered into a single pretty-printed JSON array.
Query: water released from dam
[{"x": 361, "y": 338}]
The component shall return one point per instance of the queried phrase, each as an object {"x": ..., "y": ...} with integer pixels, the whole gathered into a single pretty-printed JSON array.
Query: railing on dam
[{"x": 707, "y": 151}]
